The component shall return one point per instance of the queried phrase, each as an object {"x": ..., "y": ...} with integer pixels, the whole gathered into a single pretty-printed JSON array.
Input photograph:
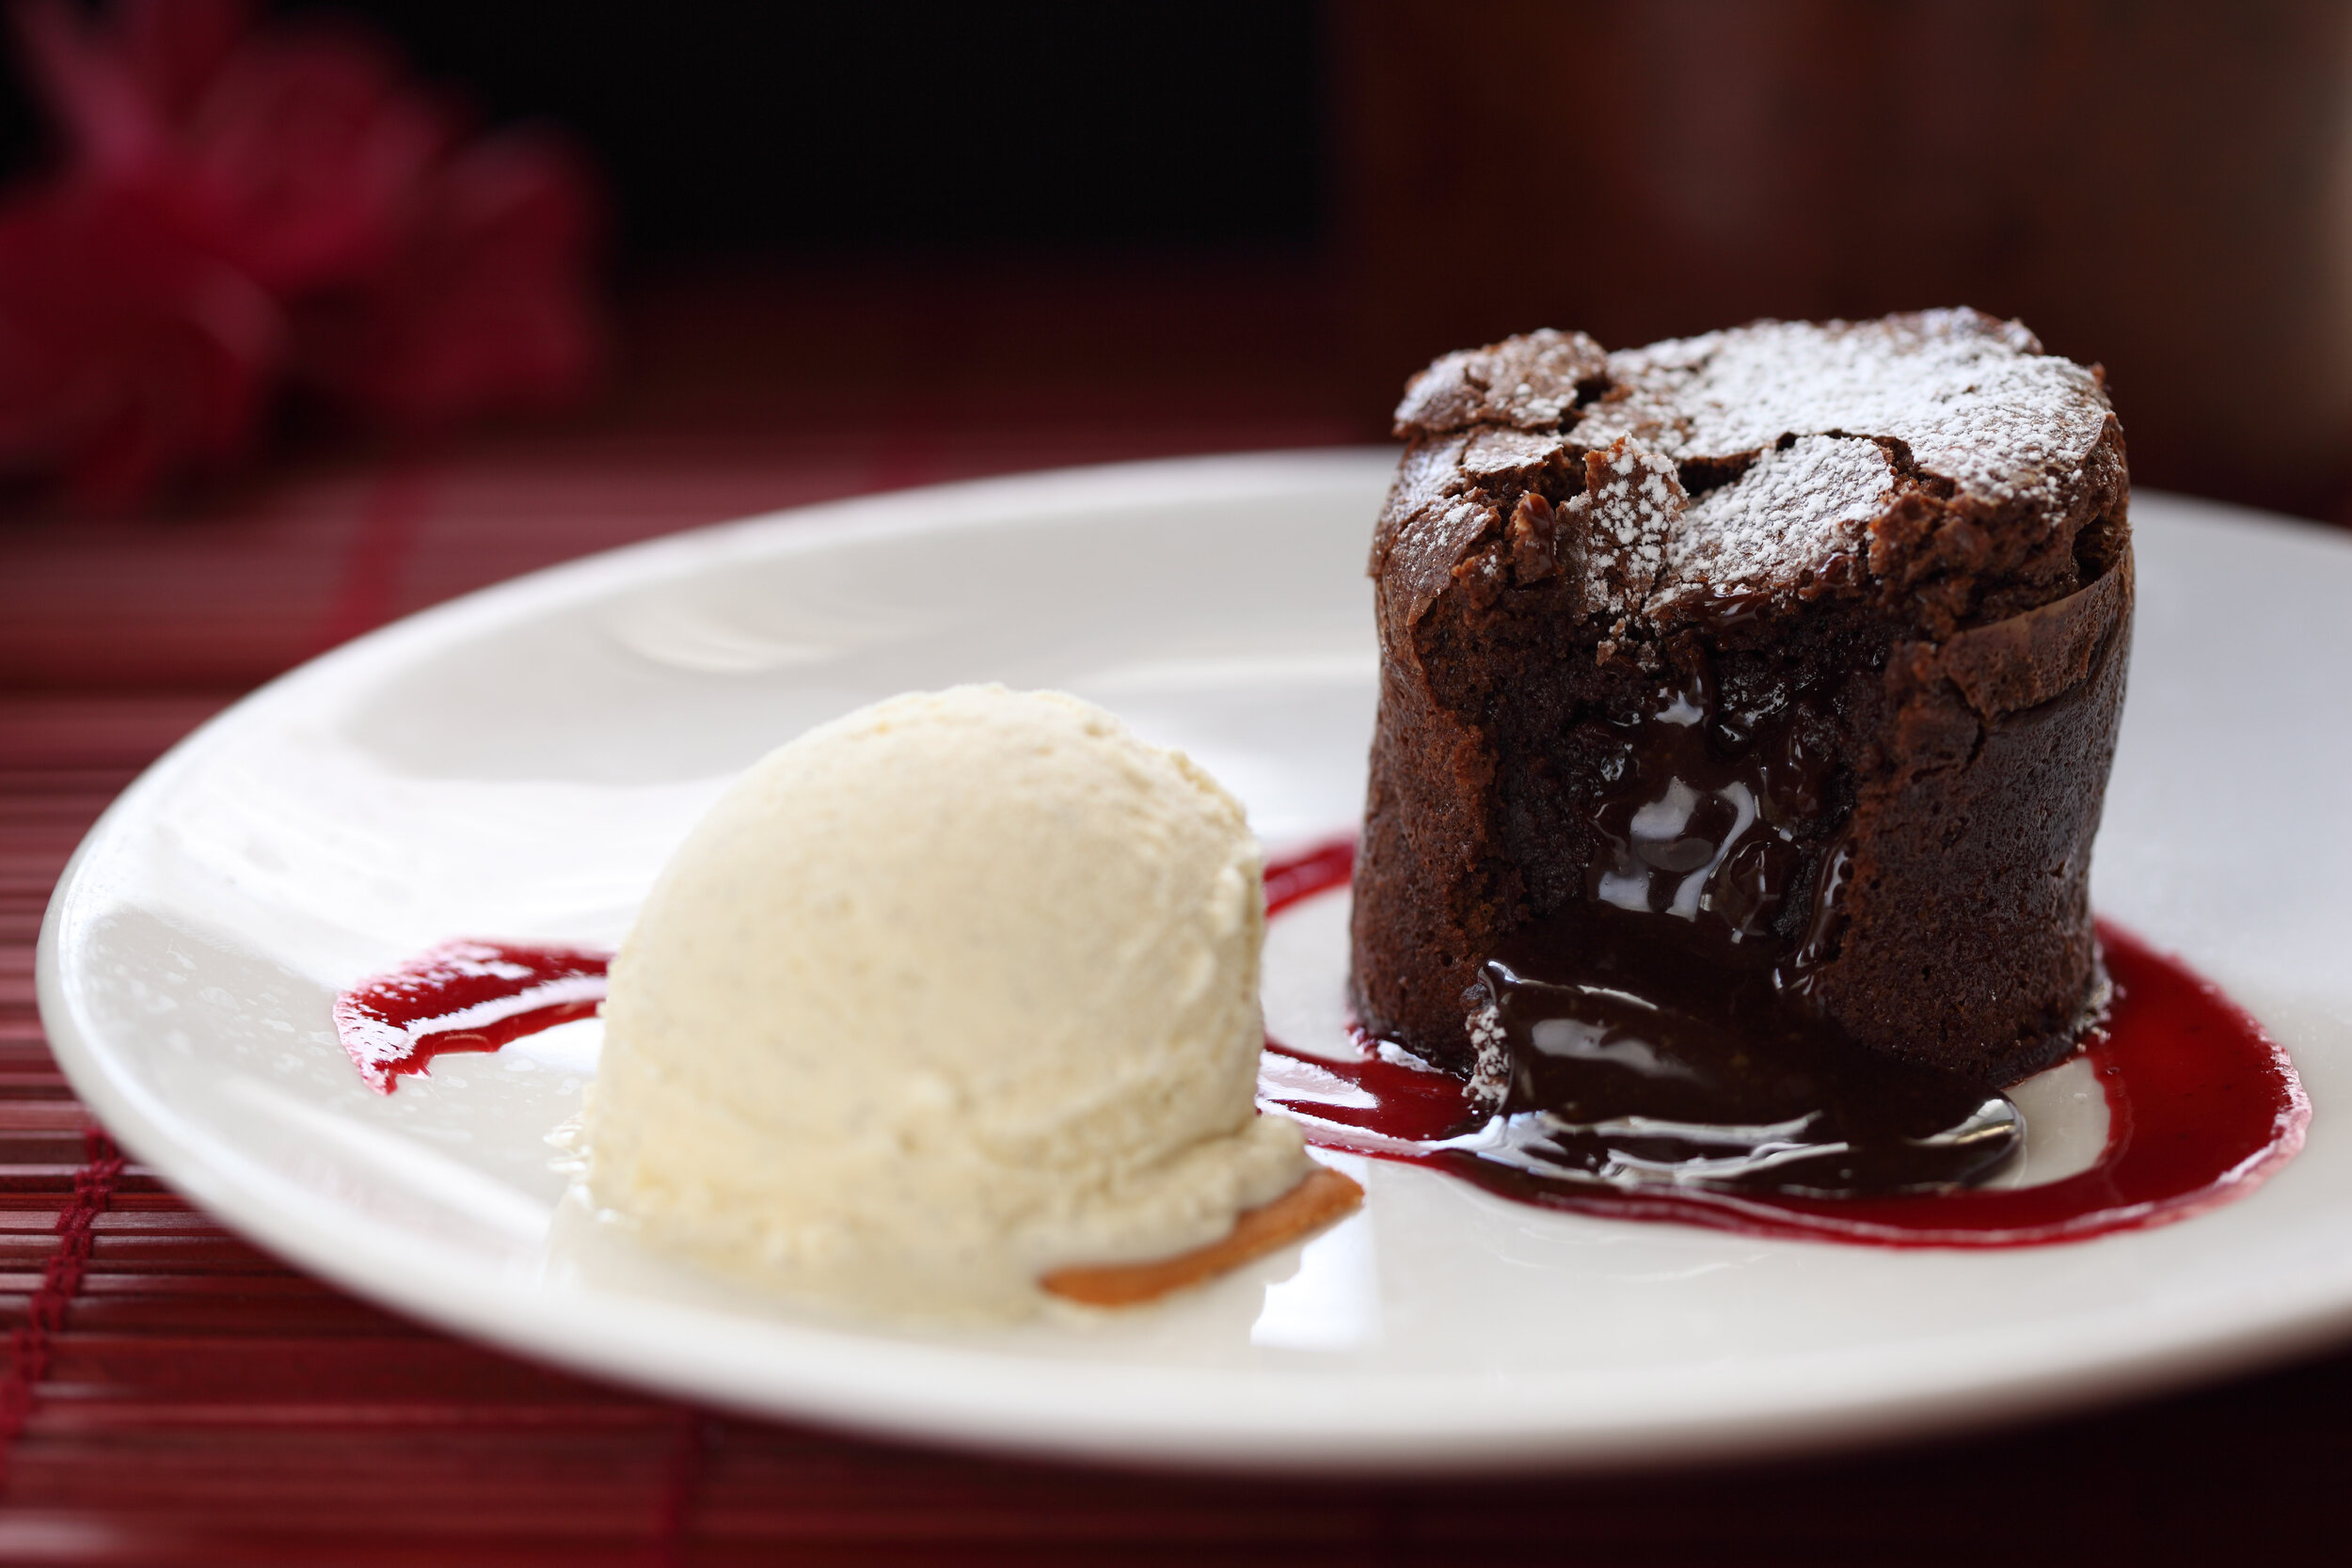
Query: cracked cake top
[{"x": 1939, "y": 464}]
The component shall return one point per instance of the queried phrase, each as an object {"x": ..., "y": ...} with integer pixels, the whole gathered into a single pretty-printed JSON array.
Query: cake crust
[{"x": 1895, "y": 554}]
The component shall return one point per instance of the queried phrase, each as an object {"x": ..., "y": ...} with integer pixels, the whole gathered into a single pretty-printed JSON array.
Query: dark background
[{"x": 733, "y": 128}]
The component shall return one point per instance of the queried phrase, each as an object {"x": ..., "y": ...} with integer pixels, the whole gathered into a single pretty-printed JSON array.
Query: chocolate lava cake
[{"x": 1792, "y": 653}]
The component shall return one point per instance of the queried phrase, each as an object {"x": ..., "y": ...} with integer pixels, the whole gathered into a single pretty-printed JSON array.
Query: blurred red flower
[
  {"x": 483, "y": 305},
  {"x": 125, "y": 355},
  {"x": 243, "y": 207}
]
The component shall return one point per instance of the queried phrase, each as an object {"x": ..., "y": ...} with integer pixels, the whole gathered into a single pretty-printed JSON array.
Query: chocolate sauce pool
[
  {"x": 1638, "y": 1047},
  {"x": 2202, "y": 1108}
]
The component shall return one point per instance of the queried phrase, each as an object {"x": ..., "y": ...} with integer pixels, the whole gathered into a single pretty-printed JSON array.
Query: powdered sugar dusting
[
  {"x": 1509, "y": 454},
  {"x": 1635, "y": 502},
  {"x": 1530, "y": 382},
  {"x": 1972, "y": 398},
  {"x": 1790, "y": 512}
]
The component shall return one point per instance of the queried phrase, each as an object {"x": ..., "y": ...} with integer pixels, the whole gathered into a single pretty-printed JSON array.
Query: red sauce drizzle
[
  {"x": 463, "y": 996},
  {"x": 2202, "y": 1107}
]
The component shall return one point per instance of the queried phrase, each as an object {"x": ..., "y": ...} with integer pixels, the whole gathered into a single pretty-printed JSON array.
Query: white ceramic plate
[{"x": 518, "y": 763}]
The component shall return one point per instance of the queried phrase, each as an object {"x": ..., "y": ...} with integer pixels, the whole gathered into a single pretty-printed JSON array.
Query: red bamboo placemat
[{"x": 174, "y": 1395}]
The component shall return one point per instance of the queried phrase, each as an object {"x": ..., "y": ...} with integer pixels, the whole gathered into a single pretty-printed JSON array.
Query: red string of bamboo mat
[{"x": 60, "y": 1282}]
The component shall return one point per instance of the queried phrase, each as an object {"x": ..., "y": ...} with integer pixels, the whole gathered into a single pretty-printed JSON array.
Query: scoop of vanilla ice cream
[{"x": 944, "y": 994}]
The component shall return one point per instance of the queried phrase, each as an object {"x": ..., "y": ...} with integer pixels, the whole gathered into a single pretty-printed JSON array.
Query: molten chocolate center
[{"x": 1659, "y": 1030}]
